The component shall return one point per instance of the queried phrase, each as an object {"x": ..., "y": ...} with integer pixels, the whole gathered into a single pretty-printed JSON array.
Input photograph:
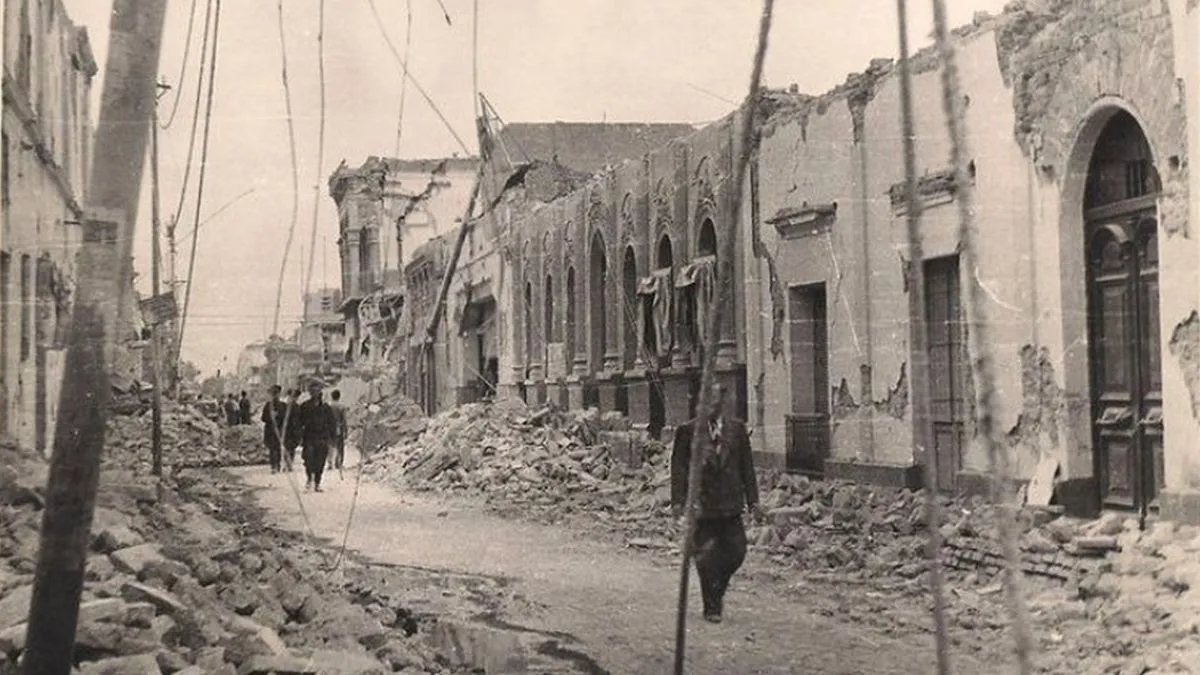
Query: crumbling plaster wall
[
  {"x": 846, "y": 147},
  {"x": 1069, "y": 68}
]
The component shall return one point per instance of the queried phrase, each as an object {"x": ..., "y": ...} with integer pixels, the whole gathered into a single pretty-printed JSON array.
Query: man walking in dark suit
[
  {"x": 727, "y": 485},
  {"x": 273, "y": 416},
  {"x": 318, "y": 431}
]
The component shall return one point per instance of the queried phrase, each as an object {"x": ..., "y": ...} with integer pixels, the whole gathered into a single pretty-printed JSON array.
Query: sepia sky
[{"x": 538, "y": 60}]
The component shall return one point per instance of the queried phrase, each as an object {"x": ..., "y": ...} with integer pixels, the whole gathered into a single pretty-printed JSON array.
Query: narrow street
[{"x": 617, "y": 607}]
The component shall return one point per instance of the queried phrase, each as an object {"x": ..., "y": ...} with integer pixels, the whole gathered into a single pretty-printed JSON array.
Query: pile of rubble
[
  {"x": 550, "y": 463},
  {"x": 189, "y": 439},
  {"x": 189, "y": 581}
]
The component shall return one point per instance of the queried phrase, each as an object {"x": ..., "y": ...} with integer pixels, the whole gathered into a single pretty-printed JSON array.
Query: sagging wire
[
  {"x": 403, "y": 63},
  {"x": 312, "y": 242},
  {"x": 918, "y": 353},
  {"x": 291, "y": 129},
  {"x": 187, "y": 50},
  {"x": 210, "y": 95},
  {"x": 404, "y": 80},
  {"x": 746, "y": 141},
  {"x": 978, "y": 325}
]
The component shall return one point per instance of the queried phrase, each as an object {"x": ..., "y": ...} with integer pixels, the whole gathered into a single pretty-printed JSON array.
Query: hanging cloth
[
  {"x": 662, "y": 310},
  {"x": 706, "y": 284}
]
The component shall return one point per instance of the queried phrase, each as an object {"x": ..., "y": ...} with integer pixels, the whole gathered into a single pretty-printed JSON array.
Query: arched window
[{"x": 630, "y": 315}]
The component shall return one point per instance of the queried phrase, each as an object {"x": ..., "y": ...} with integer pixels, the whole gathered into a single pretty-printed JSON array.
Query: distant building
[
  {"x": 268, "y": 362},
  {"x": 46, "y": 148},
  {"x": 322, "y": 334},
  {"x": 386, "y": 208}
]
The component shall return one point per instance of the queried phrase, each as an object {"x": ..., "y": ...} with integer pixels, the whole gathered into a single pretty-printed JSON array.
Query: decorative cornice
[
  {"x": 804, "y": 221},
  {"x": 933, "y": 189}
]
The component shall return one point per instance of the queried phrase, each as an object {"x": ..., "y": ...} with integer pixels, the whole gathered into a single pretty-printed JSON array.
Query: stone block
[
  {"x": 347, "y": 663},
  {"x": 164, "y": 601},
  {"x": 575, "y": 393},
  {"x": 638, "y": 391},
  {"x": 277, "y": 665},
  {"x": 264, "y": 640},
  {"x": 140, "y": 664},
  {"x": 135, "y": 559},
  {"x": 114, "y": 537},
  {"x": 608, "y": 394},
  {"x": 14, "y": 607}
]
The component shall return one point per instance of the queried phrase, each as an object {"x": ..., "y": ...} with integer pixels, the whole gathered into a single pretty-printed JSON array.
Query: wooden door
[
  {"x": 949, "y": 368},
  {"x": 1124, "y": 353},
  {"x": 808, "y": 423}
]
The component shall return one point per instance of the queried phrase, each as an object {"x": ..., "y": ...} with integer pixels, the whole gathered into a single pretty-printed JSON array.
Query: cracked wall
[
  {"x": 1185, "y": 347},
  {"x": 1054, "y": 62}
]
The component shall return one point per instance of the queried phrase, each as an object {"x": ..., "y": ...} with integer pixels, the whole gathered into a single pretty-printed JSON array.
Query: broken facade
[
  {"x": 1086, "y": 262},
  {"x": 322, "y": 335},
  {"x": 1079, "y": 143},
  {"x": 48, "y": 71},
  {"x": 386, "y": 208}
]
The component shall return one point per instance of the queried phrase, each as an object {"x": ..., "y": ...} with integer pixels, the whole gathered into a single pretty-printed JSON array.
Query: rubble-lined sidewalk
[
  {"x": 188, "y": 580},
  {"x": 1102, "y": 588}
]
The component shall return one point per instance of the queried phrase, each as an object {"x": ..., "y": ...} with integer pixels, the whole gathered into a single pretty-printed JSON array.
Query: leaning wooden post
[
  {"x": 726, "y": 248},
  {"x": 126, "y": 112},
  {"x": 979, "y": 323},
  {"x": 918, "y": 356}
]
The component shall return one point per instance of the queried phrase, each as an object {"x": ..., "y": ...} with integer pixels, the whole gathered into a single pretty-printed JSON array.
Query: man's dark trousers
[
  {"x": 275, "y": 453},
  {"x": 720, "y": 549},
  {"x": 315, "y": 457}
]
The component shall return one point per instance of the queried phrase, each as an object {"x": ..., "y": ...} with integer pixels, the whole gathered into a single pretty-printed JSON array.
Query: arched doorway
[
  {"x": 631, "y": 305},
  {"x": 1124, "y": 357},
  {"x": 597, "y": 281}
]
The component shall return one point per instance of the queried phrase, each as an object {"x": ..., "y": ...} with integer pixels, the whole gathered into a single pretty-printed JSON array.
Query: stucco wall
[
  {"x": 1035, "y": 86},
  {"x": 46, "y": 130}
]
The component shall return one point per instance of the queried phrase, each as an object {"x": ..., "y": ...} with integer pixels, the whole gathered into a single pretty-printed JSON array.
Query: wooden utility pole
[
  {"x": 156, "y": 356},
  {"x": 126, "y": 111},
  {"x": 746, "y": 142},
  {"x": 918, "y": 354}
]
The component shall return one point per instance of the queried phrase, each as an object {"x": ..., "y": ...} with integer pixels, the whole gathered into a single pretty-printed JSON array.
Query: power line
[
  {"x": 187, "y": 49},
  {"x": 403, "y": 62},
  {"x": 475, "y": 57},
  {"x": 187, "y": 165},
  {"x": 219, "y": 211},
  {"x": 291, "y": 128},
  {"x": 404, "y": 80},
  {"x": 312, "y": 240},
  {"x": 212, "y": 78}
]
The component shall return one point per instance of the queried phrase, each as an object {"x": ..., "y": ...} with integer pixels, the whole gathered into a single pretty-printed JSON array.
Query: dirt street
[{"x": 610, "y": 610}]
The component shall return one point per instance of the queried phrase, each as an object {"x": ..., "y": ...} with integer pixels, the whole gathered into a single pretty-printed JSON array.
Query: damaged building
[
  {"x": 322, "y": 334},
  {"x": 1078, "y": 136},
  {"x": 515, "y": 310},
  {"x": 386, "y": 208},
  {"x": 588, "y": 276},
  {"x": 46, "y": 146}
]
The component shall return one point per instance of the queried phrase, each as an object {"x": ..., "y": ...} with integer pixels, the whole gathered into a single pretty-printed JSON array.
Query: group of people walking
[
  {"x": 314, "y": 426},
  {"x": 237, "y": 411}
]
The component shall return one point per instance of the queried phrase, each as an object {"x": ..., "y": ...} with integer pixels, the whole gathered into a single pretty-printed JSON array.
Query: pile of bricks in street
[
  {"x": 189, "y": 581},
  {"x": 547, "y": 461},
  {"x": 189, "y": 439}
]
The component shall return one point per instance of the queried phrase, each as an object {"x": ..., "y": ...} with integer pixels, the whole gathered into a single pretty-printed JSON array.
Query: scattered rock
[
  {"x": 140, "y": 664},
  {"x": 134, "y": 559}
]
